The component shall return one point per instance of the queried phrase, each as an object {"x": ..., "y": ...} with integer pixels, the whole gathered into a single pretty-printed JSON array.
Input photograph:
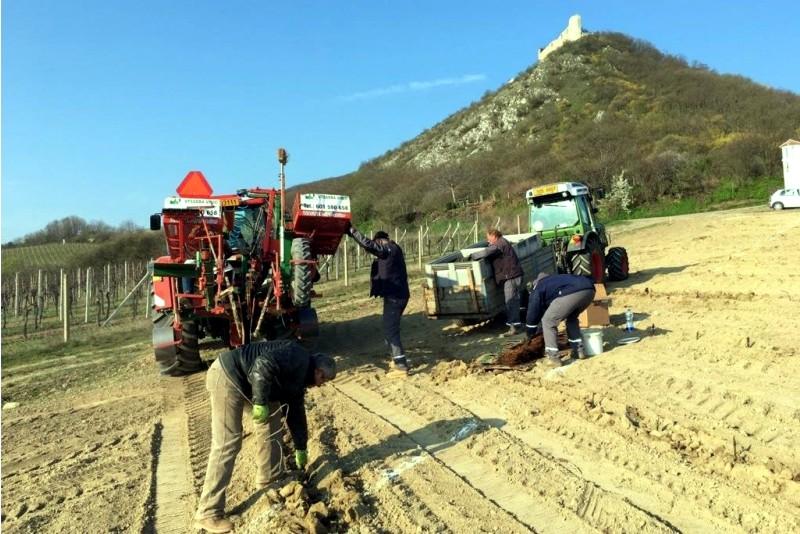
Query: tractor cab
[{"x": 564, "y": 216}]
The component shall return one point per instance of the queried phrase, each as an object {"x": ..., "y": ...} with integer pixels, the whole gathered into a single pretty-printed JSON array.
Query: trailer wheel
[
  {"x": 303, "y": 279},
  {"x": 176, "y": 357},
  {"x": 617, "y": 262}
]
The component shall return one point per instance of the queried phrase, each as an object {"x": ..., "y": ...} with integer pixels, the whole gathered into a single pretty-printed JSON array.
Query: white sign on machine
[
  {"x": 209, "y": 206},
  {"x": 325, "y": 203}
]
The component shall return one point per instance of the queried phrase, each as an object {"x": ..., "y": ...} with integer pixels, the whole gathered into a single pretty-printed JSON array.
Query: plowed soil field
[{"x": 695, "y": 428}]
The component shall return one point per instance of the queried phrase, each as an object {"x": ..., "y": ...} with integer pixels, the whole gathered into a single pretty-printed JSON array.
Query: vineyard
[
  {"x": 50, "y": 256},
  {"x": 32, "y": 287}
]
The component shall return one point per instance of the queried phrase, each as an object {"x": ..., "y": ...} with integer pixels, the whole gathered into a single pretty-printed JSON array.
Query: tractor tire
[
  {"x": 181, "y": 358},
  {"x": 590, "y": 263},
  {"x": 303, "y": 272},
  {"x": 617, "y": 264}
]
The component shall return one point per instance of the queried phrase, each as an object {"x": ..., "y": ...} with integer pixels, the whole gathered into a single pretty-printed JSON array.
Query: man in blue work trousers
[{"x": 556, "y": 298}]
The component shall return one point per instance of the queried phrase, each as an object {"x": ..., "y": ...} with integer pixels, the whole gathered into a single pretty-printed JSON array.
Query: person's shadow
[{"x": 394, "y": 449}]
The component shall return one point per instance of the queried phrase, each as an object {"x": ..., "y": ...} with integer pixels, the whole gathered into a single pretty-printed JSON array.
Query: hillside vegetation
[{"x": 597, "y": 108}]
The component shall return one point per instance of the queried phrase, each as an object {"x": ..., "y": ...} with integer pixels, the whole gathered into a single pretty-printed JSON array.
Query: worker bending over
[
  {"x": 556, "y": 298},
  {"x": 273, "y": 377}
]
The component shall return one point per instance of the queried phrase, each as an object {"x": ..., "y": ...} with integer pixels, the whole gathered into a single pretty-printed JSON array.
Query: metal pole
[
  {"x": 88, "y": 293},
  {"x": 519, "y": 228},
  {"x": 346, "y": 280},
  {"x": 147, "y": 301},
  {"x": 419, "y": 248},
  {"x": 476, "y": 227},
  {"x": 61, "y": 293},
  {"x": 16, "y": 294},
  {"x": 65, "y": 304},
  {"x": 283, "y": 157},
  {"x": 125, "y": 286},
  {"x": 146, "y": 275}
]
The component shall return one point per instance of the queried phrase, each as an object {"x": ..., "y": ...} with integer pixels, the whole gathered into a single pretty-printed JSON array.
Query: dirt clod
[{"x": 319, "y": 510}]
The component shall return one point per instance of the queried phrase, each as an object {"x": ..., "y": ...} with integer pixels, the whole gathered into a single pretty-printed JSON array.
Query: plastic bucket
[{"x": 592, "y": 342}]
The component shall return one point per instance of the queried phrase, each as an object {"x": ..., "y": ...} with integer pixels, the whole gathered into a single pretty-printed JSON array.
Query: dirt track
[{"x": 694, "y": 428}]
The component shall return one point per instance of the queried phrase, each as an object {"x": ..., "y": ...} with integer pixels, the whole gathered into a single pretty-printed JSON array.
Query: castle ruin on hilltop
[{"x": 573, "y": 32}]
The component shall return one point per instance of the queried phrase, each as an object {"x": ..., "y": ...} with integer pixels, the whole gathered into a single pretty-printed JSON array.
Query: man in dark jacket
[
  {"x": 556, "y": 298},
  {"x": 389, "y": 280},
  {"x": 507, "y": 273},
  {"x": 273, "y": 377}
]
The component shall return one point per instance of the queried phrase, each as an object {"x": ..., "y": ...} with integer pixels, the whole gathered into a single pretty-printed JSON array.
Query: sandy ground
[{"x": 694, "y": 428}]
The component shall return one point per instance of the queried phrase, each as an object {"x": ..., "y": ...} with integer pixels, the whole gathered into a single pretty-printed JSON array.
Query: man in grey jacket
[
  {"x": 273, "y": 377},
  {"x": 507, "y": 273}
]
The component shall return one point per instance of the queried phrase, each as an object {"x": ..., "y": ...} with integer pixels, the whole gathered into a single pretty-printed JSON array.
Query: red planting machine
[{"x": 239, "y": 267}]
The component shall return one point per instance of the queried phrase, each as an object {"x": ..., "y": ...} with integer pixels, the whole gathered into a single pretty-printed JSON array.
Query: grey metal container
[{"x": 458, "y": 288}]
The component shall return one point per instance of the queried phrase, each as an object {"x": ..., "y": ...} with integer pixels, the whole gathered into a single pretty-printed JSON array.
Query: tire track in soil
[
  {"x": 534, "y": 489},
  {"x": 591, "y": 432},
  {"x": 396, "y": 475},
  {"x": 172, "y": 493},
  {"x": 181, "y": 442},
  {"x": 198, "y": 412}
]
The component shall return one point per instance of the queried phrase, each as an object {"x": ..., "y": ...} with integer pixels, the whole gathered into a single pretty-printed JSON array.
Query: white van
[{"x": 785, "y": 198}]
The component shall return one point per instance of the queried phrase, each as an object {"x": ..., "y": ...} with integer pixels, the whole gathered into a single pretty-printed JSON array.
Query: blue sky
[{"x": 106, "y": 104}]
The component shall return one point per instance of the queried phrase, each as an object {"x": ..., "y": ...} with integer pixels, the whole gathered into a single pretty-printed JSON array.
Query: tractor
[
  {"x": 239, "y": 267},
  {"x": 564, "y": 216}
]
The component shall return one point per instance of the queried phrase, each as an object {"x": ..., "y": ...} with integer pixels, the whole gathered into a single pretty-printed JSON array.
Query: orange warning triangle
[{"x": 194, "y": 185}]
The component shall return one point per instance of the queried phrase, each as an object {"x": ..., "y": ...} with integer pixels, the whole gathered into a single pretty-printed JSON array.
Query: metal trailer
[{"x": 458, "y": 288}]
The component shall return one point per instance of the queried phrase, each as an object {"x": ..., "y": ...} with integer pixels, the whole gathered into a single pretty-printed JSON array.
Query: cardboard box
[{"x": 597, "y": 313}]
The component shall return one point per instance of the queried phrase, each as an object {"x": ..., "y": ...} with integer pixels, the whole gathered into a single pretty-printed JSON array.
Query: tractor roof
[{"x": 559, "y": 189}]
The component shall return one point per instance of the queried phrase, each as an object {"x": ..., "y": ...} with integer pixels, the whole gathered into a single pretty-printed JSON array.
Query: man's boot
[
  {"x": 513, "y": 330},
  {"x": 551, "y": 358},
  {"x": 217, "y": 525},
  {"x": 577, "y": 351},
  {"x": 399, "y": 367}
]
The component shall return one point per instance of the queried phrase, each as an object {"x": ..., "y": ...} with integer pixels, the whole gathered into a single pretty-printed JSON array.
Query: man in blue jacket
[
  {"x": 273, "y": 377},
  {"x": 388, "y": 280},
  {"x": 556, "y": 298}
]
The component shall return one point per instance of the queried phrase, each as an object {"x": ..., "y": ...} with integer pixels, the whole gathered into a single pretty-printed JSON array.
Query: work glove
[
  {"x": 260, "y": 414},
  {"x": 301, "y": 459}
]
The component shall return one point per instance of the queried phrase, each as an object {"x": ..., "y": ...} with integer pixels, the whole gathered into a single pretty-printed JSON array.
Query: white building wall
[
  {"x": 573, "y": 32},
  {"x": 791, "y": 166}
]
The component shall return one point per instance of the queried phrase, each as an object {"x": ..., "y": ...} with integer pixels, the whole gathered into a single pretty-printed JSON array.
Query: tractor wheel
[
  {"x": 303, "y": 279},
  {"x": 590, "y": 263},
  {"x": 176, "y": 357},
  {"x": 617, "y": 262}
]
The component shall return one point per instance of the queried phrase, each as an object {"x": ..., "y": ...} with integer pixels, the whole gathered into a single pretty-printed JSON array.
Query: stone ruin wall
[{"x": 573, "y": 32}]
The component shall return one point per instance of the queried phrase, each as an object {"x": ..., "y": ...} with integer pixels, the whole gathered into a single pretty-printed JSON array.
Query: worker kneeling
[
  {"x": 556, "y": 298},
  {"x": 273, "y": 377}
]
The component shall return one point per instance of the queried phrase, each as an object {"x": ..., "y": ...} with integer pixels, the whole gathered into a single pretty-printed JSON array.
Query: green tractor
[{"x": 564, "y": 216}]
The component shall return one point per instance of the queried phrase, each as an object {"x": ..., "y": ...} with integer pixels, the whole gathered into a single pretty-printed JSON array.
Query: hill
[{"x": 598, "y": 107}]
